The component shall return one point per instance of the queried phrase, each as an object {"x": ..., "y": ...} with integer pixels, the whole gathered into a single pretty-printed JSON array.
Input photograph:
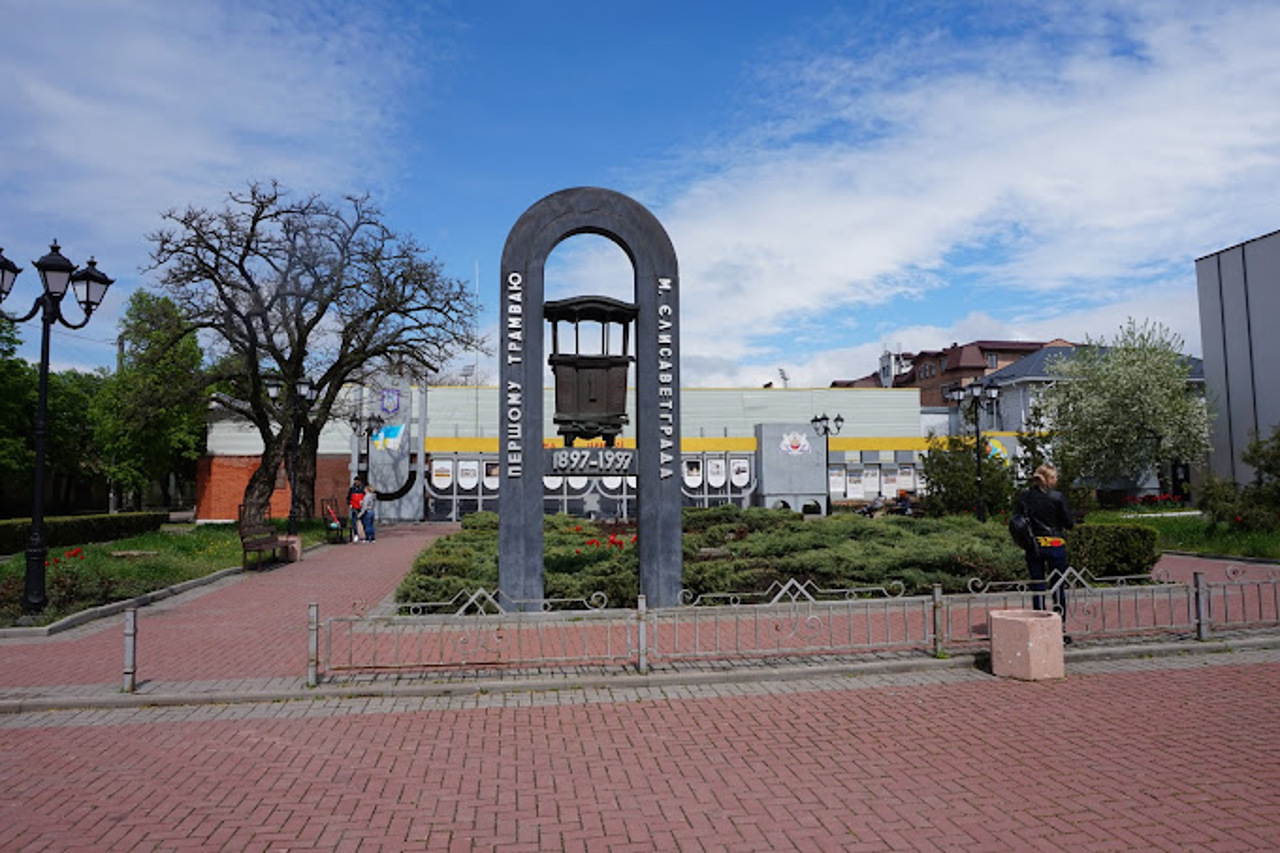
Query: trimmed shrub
[
  {"x": 79, "y": 529},
  {"x": 1113, "y": 549}
]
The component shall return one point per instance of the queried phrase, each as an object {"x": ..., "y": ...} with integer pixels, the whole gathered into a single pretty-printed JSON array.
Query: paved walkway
[{"x": 1174, "y": 752}]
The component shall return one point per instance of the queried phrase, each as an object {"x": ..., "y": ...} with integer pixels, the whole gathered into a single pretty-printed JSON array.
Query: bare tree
[{"x": 305, "y": 287}]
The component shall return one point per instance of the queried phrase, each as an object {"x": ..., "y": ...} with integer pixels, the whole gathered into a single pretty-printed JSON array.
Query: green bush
[
  {"x": 732, "y": 550},
  {"x": 483, "y": 520},
  {"x": 79, "y": 529},
  {"x": 1113, "y": 549}
]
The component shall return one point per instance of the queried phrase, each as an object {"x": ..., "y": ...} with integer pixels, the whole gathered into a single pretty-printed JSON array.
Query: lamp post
[
  {"x": 364, "y": 428},
  {"x": 298, "y": 400},
  {"x": 826, "y": 427},
  {"x": 89, "y": 285},
  {"x": 981, "y": 397}
]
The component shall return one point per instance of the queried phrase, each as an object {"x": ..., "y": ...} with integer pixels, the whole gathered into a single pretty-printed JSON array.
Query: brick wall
[{"x": 221, "y": 481}]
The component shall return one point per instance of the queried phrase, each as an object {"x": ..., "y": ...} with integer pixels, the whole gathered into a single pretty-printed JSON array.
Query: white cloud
[
  {"x": 144, "y": 105},
  {"x": 1081, "y": 180}
]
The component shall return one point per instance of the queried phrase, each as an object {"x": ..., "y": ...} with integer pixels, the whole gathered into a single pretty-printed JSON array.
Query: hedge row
[
  {"x": 79, "y": 529},
  {"x": 1113, "y": 549}
]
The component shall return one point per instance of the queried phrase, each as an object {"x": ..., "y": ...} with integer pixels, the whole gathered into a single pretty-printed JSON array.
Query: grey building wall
[
  {"x": 1239, "y": 294},
  {"x": 792, "y": 463}
]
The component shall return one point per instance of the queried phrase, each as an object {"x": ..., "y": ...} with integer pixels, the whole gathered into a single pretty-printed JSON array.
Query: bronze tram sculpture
[{"x": 591, "y": 388}]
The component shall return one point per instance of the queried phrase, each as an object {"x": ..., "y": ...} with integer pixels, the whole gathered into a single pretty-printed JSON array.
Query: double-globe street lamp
[
  {"x": 89, "y": 285},
  {"x": 365, "y": 428},
  {"x": 827, "y": 427},
  {"x": 981, "y": 398},
  {"x": 299, "y": 399}
]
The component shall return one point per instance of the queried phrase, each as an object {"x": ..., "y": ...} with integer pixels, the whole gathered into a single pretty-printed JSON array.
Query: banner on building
[
  {"x": 836, "y": 480},
  {"x": 870, "y": 481},
  {"x": 693, "y": 473},
  {"x": 441, "y": 474},
  {"x": 853, "y": 485},
  {"x": 491, "y": 476},
  {"x": 468, "y": 474},
  {"x": 740, "y": 472},
  {"x": 716, "y": 473}
]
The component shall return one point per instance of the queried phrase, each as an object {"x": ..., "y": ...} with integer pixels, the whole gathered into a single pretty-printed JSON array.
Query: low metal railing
[{"x": 472, "y": 631}]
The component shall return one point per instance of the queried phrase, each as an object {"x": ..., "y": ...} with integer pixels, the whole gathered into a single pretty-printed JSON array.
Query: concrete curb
[
  {"x": 75, "y": 620},
  {"x": 541, "y": 684}
]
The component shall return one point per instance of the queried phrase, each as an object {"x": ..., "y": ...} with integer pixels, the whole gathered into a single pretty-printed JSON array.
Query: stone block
[
  {"x": 291, "y": 548},
  {"x": 1026, "y": 644}
]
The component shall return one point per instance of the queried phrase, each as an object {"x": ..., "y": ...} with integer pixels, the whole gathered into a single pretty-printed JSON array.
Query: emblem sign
[
  {"x": 795, "y": 443},
  {"x": 390, "y": 400}
]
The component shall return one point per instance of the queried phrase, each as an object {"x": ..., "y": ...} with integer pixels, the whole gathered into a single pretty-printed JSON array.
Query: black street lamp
[
  {"x": 981, "y": 397},
  {"x": 299, "y": 399},
  {"x": 89, "y": 285},
  {"x": 826, "y": 427},
  {"x": 365, "y": 428}
]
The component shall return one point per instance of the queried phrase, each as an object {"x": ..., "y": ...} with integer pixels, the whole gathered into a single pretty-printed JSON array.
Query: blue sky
[{"x": 836, "y": 177}]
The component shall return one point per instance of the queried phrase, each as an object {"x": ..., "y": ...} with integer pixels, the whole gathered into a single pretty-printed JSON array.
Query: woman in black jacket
[{"x": 1050, "y": 518}]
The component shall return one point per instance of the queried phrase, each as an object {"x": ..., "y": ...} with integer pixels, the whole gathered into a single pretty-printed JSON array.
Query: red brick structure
[{"x": 221, "y": 481}]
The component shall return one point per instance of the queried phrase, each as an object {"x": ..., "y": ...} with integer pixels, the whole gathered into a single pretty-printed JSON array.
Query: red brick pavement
[
  {"x": 247, "y": 626},
  {"x": 1161, "y": 758},
  {"x": 1182, "y": 568}
]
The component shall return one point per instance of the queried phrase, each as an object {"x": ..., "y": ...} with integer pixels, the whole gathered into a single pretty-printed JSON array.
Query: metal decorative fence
[{"x": 794, "y": 619}]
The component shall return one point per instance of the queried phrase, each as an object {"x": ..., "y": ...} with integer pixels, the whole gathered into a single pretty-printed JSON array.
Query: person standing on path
[
  {"x": 355, "y": 498},
  {"x": 367, "y": 507},
  {"x": 1050, "y": 517}
]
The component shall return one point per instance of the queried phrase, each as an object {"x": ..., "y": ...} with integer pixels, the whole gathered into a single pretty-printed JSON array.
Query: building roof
[{"x": 1035, "y": 367}]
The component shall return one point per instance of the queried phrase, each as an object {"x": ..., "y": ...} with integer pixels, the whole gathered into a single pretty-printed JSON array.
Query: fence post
[
  {"x": 1202, "y": 607},
  {"x": 313, "y": 644},
  {"x": 642, "y": 636},
  {"x": 130, "y": 649},
  {"x": 937, "y": 620}
]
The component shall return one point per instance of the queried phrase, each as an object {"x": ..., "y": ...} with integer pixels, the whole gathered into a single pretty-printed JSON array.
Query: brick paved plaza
[{"x": 1127, "y": 753}]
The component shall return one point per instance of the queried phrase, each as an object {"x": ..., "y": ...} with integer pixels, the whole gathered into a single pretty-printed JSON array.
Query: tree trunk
[
  {"x": 257, "y": 495},
  {"x": 304, "y": 498}
]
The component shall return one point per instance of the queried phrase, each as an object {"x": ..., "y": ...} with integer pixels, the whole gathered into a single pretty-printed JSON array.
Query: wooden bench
[{"x": 259, "y": 538}]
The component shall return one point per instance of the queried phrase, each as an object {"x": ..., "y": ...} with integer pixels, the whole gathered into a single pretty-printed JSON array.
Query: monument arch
[{"x": 521, "y": 360}]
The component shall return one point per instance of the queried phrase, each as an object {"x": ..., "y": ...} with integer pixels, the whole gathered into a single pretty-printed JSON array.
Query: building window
[{"x": 992, "y": 361}]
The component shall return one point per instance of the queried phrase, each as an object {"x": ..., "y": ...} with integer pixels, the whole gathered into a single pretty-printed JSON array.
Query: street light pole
[
  {"x": 89, "y": 285},
  {"x": 981, "y": 397},
  {"x": 299, "y": 401},
  {"x": 826, "y": 427},
  {"x": 364, "y": 429}
]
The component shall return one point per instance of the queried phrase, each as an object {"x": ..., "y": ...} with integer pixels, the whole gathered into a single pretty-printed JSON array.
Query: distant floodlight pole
[
  {"x": 826, "y": 427},
  {"x": 89, "y": 285}
]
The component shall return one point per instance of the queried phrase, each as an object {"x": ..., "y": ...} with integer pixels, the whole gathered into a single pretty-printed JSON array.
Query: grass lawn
[
  {"x": 1192, "y": 533},
  {"x": 80, "y": 577}
]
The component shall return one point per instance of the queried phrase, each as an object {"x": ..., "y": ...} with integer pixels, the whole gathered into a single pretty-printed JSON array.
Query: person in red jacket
[{"x": 355, "y": 499}]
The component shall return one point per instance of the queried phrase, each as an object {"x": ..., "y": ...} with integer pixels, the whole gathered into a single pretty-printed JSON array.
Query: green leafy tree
[
  {"x": 150, "y": 415},
  {"x": 1255, "y": 505},
  {"x": 305, "y": 287},
  {"x": 950, "y": 471},
  {"x": 1125, "y": 410},
  {"x": 17, "y": 409},
  {"x": 72, "y": 455},
  {"x": 1033, "y": 442}
]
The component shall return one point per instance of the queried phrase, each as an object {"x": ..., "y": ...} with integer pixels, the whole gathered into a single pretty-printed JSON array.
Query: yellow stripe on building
[{"x": 692, "y": 444}]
